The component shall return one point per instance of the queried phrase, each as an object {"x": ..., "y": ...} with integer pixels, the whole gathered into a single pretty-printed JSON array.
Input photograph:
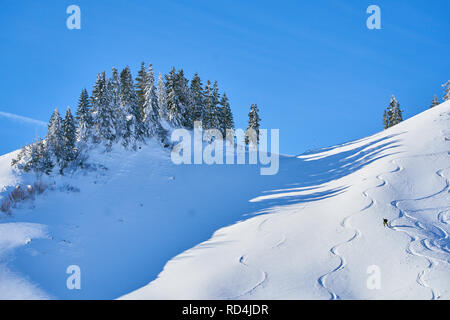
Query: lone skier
[{"x": 385, "y": 223}]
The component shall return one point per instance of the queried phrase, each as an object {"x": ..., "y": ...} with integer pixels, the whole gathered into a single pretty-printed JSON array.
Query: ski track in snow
[
  {"x": 242, "y": 261},
  {"x": 442, "y": 218},
  {"x": 264, "y": 274},
  {"x": 357, "y": 234},
  {"x": 432, "y": 261},
  {"x": 279, "y": 243}
]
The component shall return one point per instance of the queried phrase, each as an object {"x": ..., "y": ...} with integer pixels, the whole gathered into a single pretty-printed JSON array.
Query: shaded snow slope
[
  {"x": 13, "y": 285},
  {"x": 121, "y": 225},
  {"x": 311, "y": 231},
  {"x": 322, "y": 236}
]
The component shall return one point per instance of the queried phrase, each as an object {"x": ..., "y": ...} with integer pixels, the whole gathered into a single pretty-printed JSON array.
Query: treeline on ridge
[{"x": 127, "y": 111}]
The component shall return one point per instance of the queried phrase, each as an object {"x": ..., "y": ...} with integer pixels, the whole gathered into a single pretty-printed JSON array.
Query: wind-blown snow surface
[{"x": 311, "y": 231}]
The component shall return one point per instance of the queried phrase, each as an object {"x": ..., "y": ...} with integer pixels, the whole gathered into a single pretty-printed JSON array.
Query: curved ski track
[
  {"x": 357, "y": 233},
  {"x": 428, "y": 244},
  {"x": 443, "y": 217},
  {"x": 264, "y": 274}
]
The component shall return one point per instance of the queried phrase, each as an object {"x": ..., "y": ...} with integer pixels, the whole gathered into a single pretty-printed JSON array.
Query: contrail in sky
[{"x": 22, "y": 119}]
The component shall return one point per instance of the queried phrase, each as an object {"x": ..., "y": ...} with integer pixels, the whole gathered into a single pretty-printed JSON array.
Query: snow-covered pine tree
[
  {"x": 69, "y": 128},
  {"x": 446, "y": 87},
  {"x": 83, "y": 117},
  {"x": 97, "y": 99},
  {"x": 34, "y": 157},
  {"x": 186, "y": 105},
  {"x": 396, "y": 112},
  {"x": 253, "y": 123},
  {"x": 150, "y": 106},
  {"x": 43, "y": 162},
  {"x": 55, "y": 137},
  {"x": 141, "y": 83},
  {"x": 393, "y": 114},
  {"x": 198, "y": 98},
  {"x": 435, "y": 102},
  {"x": 17, "y": 162},
  {"x": 116, "y": 107},
  {"x": 134, "y": 128},
  {"x": 208, "y": 116},
  {"x": 32, "y": 162},
  {"x": 162, "y": 98},
  {"x": 217, "y": 111},
  {"x": 227, "y": 115},
  {"x": 102, "y": 114},
  {"x": 174, "y": 112},
  {"x": 386, "y": 117}
]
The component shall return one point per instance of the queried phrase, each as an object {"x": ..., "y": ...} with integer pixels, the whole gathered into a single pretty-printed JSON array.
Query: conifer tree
[
  {"x": 185, "y": 101},
  {"x": 55, "y": 137},
  {"x": 119, "y": 121},
  {"x": 141, "y": 84},
  {"x": 227, "y": 115},
  {"x": 435, "y": 102},
  {"x": 83, "y": 117},
  {"x": 253, "y": 123},
  {"x": 162, "y": 98},
  {"x": 216, "y": 109},
  {"x": 134, "y": 129},
  {"x": 16, "y": 162},
  {"x": 102, "y": 114},
  {"x": 70, "y": 151},
  {"x": 198, "y": 97},
  {"x": 174, "y": 111},
  {"x": 208, "y": 117},
  {"x": 150, "y": 106},
  {"x": 43, "y": 162},
  {"x": 393, "y": 114},
  {"x": 386, "y": 117},
  {"x": 33, "y": 160},
  {"x": 446, "y": 87},
  {"x": 397, "y": 116}
]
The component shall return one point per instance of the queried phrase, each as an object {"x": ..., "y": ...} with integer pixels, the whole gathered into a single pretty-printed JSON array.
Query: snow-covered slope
[
  {"x": 314, "y": 230},
  {"x": 323, "y": 236}
]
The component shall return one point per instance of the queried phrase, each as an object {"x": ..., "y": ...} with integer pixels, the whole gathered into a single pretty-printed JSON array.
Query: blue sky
[{"x": 314, "y": 69}]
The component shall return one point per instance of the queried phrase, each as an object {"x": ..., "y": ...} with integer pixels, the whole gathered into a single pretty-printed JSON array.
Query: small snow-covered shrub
[
  {"x": 22, "y": 193},
  {"x": 18, "y": 194},
  {"x": 5, "y": 205},
  {"x": 30, "y": 189}
]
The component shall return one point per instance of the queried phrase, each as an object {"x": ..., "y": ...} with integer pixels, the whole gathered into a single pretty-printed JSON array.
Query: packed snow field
[{"x": 140, "y": 227}]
